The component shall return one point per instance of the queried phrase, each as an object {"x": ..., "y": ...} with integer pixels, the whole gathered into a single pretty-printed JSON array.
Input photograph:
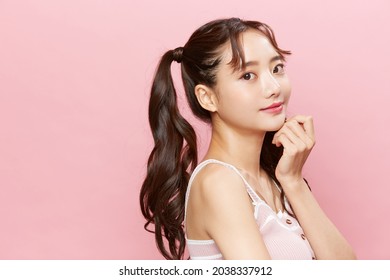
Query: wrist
[{"x": 293, "y": 185}]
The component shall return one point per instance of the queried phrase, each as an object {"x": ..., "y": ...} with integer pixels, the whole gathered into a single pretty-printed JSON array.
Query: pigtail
[{"x": 172, "y": 159}]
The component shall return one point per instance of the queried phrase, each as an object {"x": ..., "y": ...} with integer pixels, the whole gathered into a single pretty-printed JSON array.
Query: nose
[{"x": 270, "y": 85}]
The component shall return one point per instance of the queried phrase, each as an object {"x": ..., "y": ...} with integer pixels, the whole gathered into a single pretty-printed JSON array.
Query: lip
[{"x": 276, "y": 107}]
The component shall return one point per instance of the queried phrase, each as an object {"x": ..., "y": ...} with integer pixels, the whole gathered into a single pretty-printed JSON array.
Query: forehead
[
  {"x": 254, "y": 43},
  {"x": 255, "y": 46}
]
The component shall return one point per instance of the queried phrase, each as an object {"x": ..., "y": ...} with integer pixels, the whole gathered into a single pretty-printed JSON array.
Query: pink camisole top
[{"x": 282, "y": 234}]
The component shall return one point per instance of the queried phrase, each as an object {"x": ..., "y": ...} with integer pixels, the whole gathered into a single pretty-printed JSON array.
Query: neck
[{"x": 241, "y": 150}]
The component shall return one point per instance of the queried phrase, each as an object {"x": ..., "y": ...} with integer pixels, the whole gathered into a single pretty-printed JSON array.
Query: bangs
[{"x": 238, "y": 56}]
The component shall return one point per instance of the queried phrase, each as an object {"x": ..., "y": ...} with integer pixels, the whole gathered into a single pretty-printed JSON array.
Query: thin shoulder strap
[{"x": 255, "y": 198}]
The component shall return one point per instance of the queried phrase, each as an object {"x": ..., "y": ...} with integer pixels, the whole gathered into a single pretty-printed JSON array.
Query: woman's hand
[{"x": 297, "y": 138}]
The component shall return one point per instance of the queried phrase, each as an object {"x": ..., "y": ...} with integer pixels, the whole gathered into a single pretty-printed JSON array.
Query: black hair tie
[{"x": 178, "y": 54}]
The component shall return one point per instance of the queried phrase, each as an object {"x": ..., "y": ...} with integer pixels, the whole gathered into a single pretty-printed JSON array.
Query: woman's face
[{"x": 244, "y": 96}]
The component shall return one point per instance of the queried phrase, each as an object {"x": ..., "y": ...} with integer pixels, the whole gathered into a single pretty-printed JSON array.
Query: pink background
[{"x": 74, "y": 136}]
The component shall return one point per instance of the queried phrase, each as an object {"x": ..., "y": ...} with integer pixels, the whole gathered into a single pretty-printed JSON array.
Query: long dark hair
[{"x": 174, "y": 155}]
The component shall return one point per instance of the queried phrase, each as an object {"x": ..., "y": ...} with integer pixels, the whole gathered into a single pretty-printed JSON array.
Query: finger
[
  {"x": 307, "y": 122},
  {"x": 277, "y": 134},
  {"x": 298, "y": 130},
  {"x": 293, "y": 138},
  {"x": 290, "y": 128},
  {"x": 288, "y": 146}
]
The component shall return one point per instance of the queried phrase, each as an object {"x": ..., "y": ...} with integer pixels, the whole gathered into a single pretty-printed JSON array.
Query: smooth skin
[{"x": 219, "y": 207}]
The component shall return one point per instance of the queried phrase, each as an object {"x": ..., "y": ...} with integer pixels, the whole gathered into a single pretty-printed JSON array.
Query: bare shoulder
[
  {"x": 217, "y": 186},
  {"x": 216, "y": 180},
  {"x": 214, "y": 188},
  {"x": 225, "y": 213},
  {"x": 217, "y": 192}
]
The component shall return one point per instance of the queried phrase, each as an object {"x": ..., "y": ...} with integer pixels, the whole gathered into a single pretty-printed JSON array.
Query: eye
[
  {"x": 278, "y": 69},
  {"x": 248, "y": 76}
]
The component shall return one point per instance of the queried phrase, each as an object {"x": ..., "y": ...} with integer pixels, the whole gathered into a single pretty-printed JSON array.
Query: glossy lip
[{"x": 275, "y": 107}]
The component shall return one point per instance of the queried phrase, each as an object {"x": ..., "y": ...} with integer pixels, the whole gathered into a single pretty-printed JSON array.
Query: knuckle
[
  {"x": 301, "y": 148},
  {"x": 293, "y": 151},
  {"x": 310, "y": 143},
  {"x": 292, "y": 124}
]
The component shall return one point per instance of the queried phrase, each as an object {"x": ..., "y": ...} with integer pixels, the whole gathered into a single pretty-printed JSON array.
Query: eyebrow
[{"x": 250, "y": 63}]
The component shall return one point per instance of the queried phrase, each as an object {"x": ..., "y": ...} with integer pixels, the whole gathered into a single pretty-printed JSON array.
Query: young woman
[{"x": 247, "y": 199}]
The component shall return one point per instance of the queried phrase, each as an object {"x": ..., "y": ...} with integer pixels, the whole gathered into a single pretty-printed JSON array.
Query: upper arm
[{"x": 228, "y": 214}]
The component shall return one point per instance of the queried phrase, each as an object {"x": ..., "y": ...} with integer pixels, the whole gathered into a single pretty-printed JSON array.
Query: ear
[{"x": 206, "y": 98}]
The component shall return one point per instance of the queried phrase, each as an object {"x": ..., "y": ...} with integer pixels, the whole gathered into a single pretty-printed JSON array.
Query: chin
[{"x": 275, "y": 125}]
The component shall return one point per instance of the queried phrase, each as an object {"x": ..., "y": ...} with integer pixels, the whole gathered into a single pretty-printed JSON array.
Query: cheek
[{"x": 286, "y": 90}]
